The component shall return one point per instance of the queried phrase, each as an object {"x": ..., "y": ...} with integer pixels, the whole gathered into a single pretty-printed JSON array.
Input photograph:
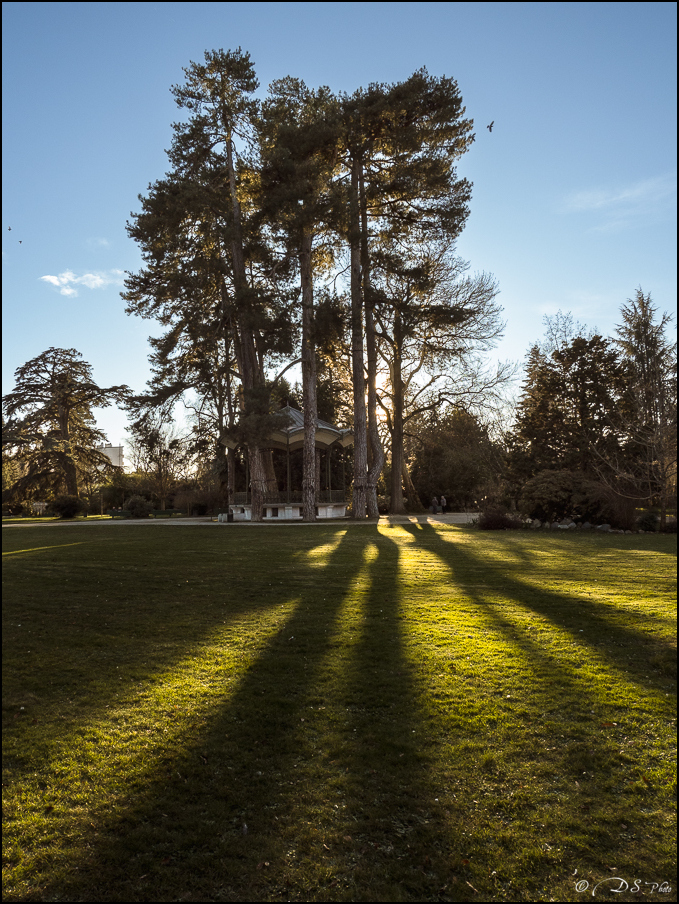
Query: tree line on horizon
[
  {"x": 592, "y": 436},
  {"x": 319, "y": 229}
]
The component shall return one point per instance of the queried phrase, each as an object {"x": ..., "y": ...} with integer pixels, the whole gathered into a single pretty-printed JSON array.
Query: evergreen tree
[
  {"x": 652, "y": 359},
  {"x": 193, "y": 360},
  {"x": 300, "y": 138},
  {"x": 253, "y": 195},
  {"x": 50, "y": 423},
  {"x": 567, "y": 410},
  {"x": 201, "y": 244},
  {"x": 648, "y": 423},
  {"x": 454, "y": 457},
  {"x": 218, "y": 94},
  {"x": 401, "y": 145}
]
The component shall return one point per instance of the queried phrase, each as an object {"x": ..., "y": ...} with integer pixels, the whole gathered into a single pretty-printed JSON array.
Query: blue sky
[{"x": 574, "y": 199}]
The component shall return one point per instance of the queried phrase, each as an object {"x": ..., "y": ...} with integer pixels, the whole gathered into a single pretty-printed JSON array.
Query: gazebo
[{"x": 289, "y": 437}]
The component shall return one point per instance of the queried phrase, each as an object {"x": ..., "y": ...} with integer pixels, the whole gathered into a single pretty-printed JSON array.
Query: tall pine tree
[
  {"x": 402, "y": 142},
  {"x": 648, "y": 424},
  {"x": 299, "y": 146}
]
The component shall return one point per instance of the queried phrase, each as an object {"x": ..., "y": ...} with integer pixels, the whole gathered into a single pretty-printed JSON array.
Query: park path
[{"x": 448, "y": 518}]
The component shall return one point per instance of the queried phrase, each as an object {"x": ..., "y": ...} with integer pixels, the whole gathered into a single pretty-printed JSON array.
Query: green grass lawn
[
  {"x": 48, "y": 519},
  {"x": 336, "y": 713}
]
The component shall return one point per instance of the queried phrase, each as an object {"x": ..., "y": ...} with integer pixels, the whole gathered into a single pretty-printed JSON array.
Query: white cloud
[
  {"x": 67, "y": 280},
  {"x": 618, "y": 207},
  {"x": 97, "y": 242},
  {"x": 92, "y": 280}
]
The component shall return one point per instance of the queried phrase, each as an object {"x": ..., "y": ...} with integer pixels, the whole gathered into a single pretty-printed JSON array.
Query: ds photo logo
[{"x": 618, "y": 885}]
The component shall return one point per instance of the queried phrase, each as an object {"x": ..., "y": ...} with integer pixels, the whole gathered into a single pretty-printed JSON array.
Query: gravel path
[{"x": 450, "y": 518}]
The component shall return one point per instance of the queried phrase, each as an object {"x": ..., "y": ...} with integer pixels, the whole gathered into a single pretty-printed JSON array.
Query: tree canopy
[
  {"x": 50, "y": 425},
  {"x": 262, "y": 240},
  {"x": 314, "y": 228},
  {"x": 603, "y": 408}
]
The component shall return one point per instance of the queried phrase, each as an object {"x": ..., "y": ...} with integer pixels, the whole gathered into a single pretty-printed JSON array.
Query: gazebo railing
[{"x": 294, "y": 498}]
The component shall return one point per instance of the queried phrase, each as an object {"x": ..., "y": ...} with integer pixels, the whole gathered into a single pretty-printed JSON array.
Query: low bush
[
  {"x": 554, "y": 495},
  {"x": 14, "y": 508},
  {"x": 596, "y": 502},
  {"x": 496, "y": 517},
  {"x": 648, "y": 521},
  {"x": 548, "y": 496},
  {"x": 67, "y": 506},
  {"x": 138, "y": 507}
]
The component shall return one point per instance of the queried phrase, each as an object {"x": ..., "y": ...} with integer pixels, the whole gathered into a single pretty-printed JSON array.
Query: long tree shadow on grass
[
  {"x": 575, "y": 748},
  {"x": 148, "y": 652},
  {"x": 403, "y": 844},
  {"x": 254, "y": 807},
  {"x": 253, "y": 804},
  {"x": 599, "y": 623},
  {"x": 87, "y": 629}
]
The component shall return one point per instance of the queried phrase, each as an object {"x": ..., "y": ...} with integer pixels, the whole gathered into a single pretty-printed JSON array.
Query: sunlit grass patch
[
  {"x": 317, "y": 556},
  {"x": 335, "y": 713}
]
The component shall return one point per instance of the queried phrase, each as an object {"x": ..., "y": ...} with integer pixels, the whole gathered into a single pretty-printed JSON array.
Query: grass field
[{"x": 414, "y": 712}]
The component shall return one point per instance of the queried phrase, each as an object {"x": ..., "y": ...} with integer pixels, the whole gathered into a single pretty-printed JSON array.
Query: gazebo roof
[{"x": 290, "y": 435}]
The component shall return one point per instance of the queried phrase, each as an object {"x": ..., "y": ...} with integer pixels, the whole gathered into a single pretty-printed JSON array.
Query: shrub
[
  {"x": 553, "y": 495},
  {"x": 13, "y": 508},
  {"x": 138, "y": 506},
  {"x": 197, "y": 500},
  {"x": 496, "y": 517},
  {"x": 593, "y": 501},
  {"x": 548, "y": 495},
  {"x": 67, "y": 506},
  {"x": 648, "y": 521}
]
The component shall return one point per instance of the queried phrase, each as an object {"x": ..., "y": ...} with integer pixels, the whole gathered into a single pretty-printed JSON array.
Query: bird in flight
[
  {"x": 9, "y": 228},
  {"x": 490, "y": 127}
]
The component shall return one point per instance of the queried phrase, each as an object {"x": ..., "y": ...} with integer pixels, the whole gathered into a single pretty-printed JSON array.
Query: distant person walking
[
  {"x": 434, "y": 505},
  {"x": 443, "y": 504}
]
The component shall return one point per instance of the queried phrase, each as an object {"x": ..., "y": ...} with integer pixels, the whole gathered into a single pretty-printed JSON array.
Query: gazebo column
[
  {"x": 344, "y": 483},
  {"x": 328, "y": 468}
]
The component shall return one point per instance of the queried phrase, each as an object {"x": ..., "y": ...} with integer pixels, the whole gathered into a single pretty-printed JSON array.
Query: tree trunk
[
  {"x": 414, "y": 504},
  {"x": 309, "y": 400},
  {"x": 69, "y": 466},
  {"x": 258, "y": 483},
  {"x": 231, "y": 466},
  {"x": 71, "y": 475},
  {"x": 271, "y": 481},
  {"x": 397, "y": 506},
  {"x": 376, "y": 450},
  {"x": 230, "y": 421},
  {"x": 360, "y": 432},
  {"x": 249, "y": 370},
  {"x": 221, "y": 453}
]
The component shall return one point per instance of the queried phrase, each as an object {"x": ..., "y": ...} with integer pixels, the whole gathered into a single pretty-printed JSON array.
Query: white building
[
  {"x": 289, "y": 437},
  {"x": 115, "y": 453}
]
